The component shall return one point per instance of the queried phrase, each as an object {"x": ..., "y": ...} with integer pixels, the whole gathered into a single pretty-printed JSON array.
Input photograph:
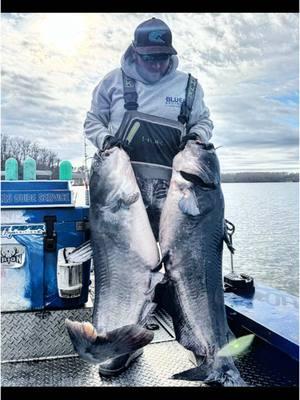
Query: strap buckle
[
  {"x": 131, "y": 106},
  {"x": 130, "y": 94}
]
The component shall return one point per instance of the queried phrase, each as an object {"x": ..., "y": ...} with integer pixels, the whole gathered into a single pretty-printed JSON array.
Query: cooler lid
[{"x": 36, "y": 194}]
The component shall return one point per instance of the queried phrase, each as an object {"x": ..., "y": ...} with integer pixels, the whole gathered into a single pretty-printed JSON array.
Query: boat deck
[{"x": 262, "y": 366}]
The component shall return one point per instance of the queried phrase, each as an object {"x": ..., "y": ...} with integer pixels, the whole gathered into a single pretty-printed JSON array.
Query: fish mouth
[
  {"x": 199, "y": 165},
  {"x": 198, "y": 181}
]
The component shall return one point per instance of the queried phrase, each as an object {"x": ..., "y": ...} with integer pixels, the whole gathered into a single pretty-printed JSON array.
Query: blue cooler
[{"x": 39, "y": 227}]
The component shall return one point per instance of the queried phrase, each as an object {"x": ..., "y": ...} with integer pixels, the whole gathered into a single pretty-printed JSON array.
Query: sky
[{"x": 246, "y": 63}]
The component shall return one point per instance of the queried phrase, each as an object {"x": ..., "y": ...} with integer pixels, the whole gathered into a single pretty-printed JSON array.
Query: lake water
[
  {"x": 266, "y": 238},
  {"x": 266, "y": 218}
]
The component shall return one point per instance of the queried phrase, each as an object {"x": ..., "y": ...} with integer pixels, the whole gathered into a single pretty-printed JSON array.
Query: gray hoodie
[{"x": 162, "y": 99}]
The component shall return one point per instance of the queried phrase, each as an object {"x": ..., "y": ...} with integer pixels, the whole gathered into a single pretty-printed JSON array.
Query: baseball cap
[{"x": 153, "y": 37}]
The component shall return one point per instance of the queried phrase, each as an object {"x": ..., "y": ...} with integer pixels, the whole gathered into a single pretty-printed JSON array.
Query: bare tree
[
  {"x": 20, "y": 148},
  {"x": 4, "y": 149}
]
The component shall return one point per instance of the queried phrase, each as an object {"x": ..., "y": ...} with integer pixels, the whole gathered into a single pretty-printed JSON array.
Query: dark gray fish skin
[
  {"x": 124, "y": 254},
  {"x": 191, "y": 240}
]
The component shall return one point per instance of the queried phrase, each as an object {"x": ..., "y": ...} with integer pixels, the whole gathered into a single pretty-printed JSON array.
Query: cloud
[{"x": 247, "y": 64}]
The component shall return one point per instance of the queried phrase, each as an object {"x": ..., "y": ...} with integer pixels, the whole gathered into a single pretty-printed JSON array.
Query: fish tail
[
  {"x": 229, "y": 377},
  {"x": 219, "y": 377},
  {"x": 97, "y": 348}
]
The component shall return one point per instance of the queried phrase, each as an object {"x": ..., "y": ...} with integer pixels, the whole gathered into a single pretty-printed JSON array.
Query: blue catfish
[
  {"x": 191, "y": 239},
  {"x": 124, "y": 254}
]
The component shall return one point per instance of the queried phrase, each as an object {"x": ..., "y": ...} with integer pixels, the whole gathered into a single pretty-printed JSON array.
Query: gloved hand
[
  {"x": 189, "y": 136},
  {"x": 112, "y": 141},
  {"x": 194, "y": 136}
]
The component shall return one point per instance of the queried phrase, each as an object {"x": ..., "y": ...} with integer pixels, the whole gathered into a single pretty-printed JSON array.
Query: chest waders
[{"x": 153, "y": 143}]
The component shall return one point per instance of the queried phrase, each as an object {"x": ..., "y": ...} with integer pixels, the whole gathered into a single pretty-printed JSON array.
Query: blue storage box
[
  {"x": 34, "y": 244},
  {"x": 23, "y": 194}
]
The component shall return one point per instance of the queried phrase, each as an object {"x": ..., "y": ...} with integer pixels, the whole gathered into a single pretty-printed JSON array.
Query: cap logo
[{"x": 156, "y": 36}]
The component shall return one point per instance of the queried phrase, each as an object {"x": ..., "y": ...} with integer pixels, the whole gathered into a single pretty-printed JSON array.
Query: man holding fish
[{"x": 155, "y": 178}]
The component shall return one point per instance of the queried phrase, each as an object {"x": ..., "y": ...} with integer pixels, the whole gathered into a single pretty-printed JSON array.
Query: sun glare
[{"x": 63, "y": 32}]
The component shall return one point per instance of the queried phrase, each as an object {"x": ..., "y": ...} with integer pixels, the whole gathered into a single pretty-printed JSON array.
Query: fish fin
[
  {"x": 199, "y": 373},
  {"x": 225, "y": 377},
  {"x": 188, "y": 204},
  {"x": 129, "y": 199},
  {"x": 129, "y": 338},
  {"x": 109, "y": 215},
  {"x": 96, "y": 348},
  {"x": 218, "y": 377},
  {"x": 123, "y": 201},
  {"x": 114, "y": 206}
]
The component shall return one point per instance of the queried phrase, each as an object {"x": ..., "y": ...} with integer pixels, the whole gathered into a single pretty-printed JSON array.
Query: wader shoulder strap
[
  {"x": 130, "y": 94},
  {"x": 187, "y": 104}
]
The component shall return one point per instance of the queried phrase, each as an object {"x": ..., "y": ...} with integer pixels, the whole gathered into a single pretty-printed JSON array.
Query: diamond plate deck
[
  {"x": 154, "y": 368},
  {"x": 27, "y": 335},
  {"x": 36, "y": 351},
  {"x": 34, "y": 335}
]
